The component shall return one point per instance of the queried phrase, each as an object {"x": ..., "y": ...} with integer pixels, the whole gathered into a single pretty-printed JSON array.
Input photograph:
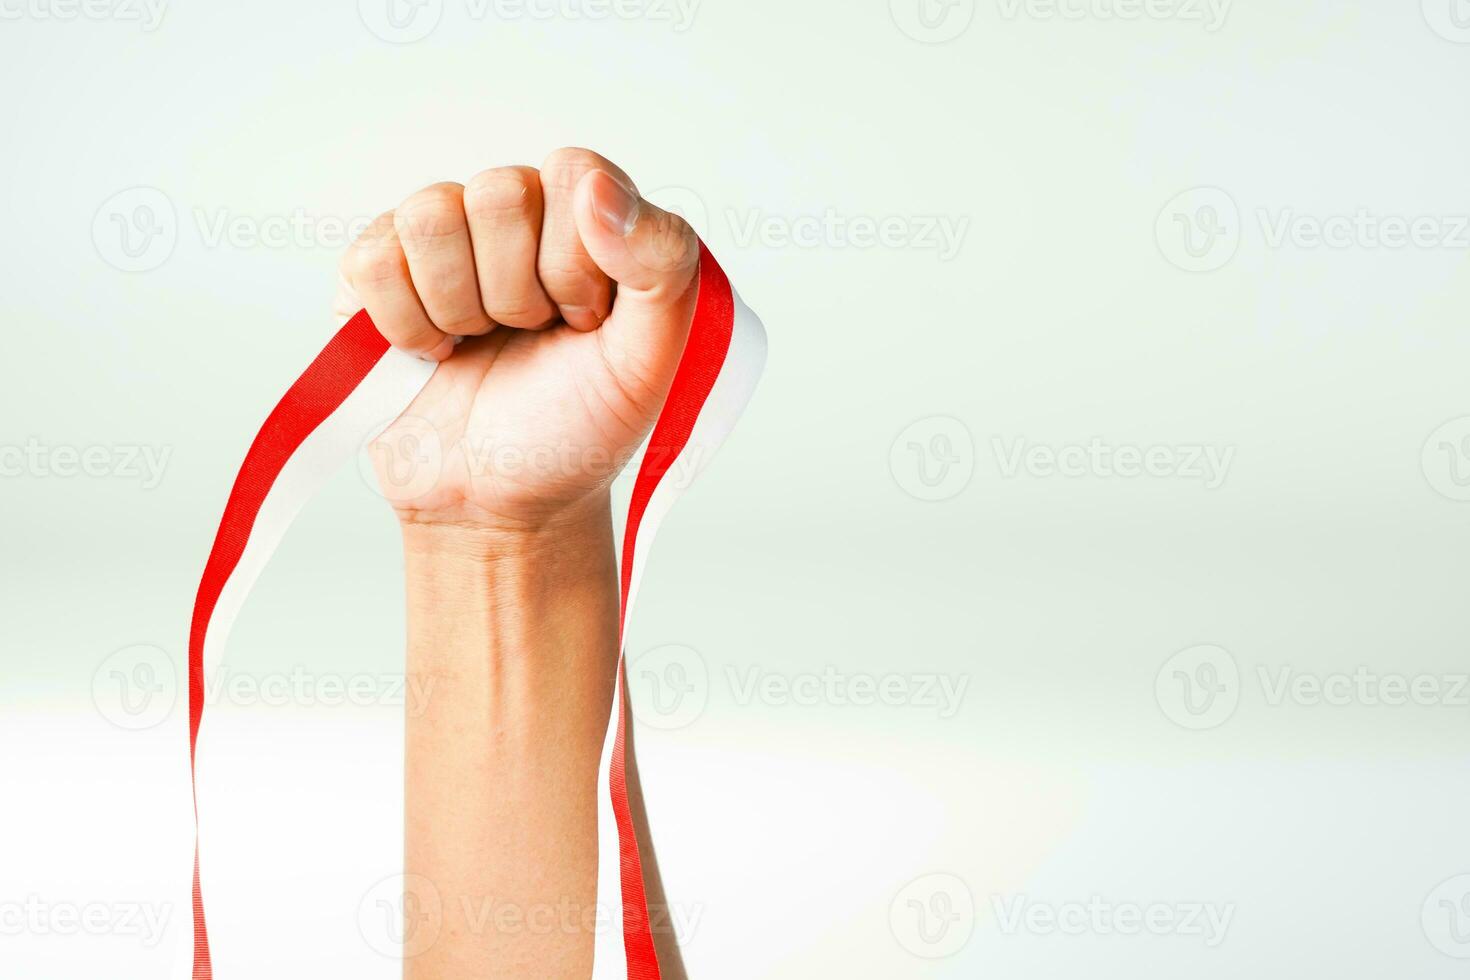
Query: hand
[{"x": 574, "y": 298}]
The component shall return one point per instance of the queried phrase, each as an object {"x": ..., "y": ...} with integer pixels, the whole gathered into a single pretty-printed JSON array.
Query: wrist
[
  {"x": 581, "y": 530},
  {"x": 491, "y": 591}
]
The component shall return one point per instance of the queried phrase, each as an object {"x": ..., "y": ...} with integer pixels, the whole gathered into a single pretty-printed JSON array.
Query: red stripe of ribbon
[
  {"x": 320, "y": 391},
  {"x": 704, "y": 355}
]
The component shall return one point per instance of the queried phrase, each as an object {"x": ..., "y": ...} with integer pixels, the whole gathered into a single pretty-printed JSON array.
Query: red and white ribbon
[{"x": 356, "y": 383}]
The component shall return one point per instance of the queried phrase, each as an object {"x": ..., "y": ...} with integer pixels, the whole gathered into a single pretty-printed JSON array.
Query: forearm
[{"x": 516, "y": 632}]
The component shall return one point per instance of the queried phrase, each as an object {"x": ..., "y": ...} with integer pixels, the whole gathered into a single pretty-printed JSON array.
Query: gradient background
[{"x": 1115, "y": 184}]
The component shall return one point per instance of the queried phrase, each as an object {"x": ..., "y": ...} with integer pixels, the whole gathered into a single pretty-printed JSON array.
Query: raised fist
[{"x": 573, "y": 299}]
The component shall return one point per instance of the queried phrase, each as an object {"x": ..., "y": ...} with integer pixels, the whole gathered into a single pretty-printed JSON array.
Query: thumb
[{"x": 653, "y": 256}]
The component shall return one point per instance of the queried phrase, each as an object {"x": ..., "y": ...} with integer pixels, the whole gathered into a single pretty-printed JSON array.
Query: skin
[{"x": 558, "y": 303}]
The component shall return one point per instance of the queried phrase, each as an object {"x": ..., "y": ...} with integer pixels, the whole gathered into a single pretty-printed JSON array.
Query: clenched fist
[{"x": 572, "y": 297}]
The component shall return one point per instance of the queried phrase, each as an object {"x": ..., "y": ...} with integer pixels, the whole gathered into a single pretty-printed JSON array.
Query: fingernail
[
  {"x": 616, "y": 205},
  {"x": 441, "y": 351}
]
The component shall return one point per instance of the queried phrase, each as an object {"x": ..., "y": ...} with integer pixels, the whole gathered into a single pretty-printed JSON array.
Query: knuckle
[
  {"x": 671, "y": 246},
  {"x": 378, "y": 233},
  {"x": 375, "y": 262},
  {"x": 437, "y": 211},
  {"x": 444, "y": 286},
  {"x": 416, "y": 338},
  {"x": 564, "y": 268},
  {"x": 564, "y": 167},
  {"x": 379, "y": 228},
  {"x": 503, "y": 189},
  {"x": 470, "y": 324},
  {"x": 522, "y": 312}
]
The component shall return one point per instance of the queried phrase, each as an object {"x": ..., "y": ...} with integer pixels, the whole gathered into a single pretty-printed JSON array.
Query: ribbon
[{"x": 356, "y": 382}]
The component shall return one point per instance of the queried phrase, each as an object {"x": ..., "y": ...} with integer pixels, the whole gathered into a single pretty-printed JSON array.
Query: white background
[{"x": 1069, "y": 155}]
